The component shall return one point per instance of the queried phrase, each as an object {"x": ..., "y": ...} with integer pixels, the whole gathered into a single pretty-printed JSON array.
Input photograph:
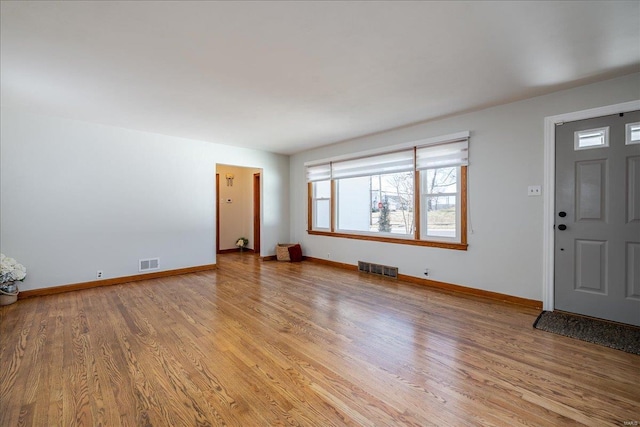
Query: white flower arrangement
[
  {"x": 10, "y": 270},
  {"x": 242, "y": 242}
]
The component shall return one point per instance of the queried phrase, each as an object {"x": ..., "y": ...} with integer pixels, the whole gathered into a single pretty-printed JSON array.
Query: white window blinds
[
  {"x": 447, "y": 154},
  {"x": 319, "y": 172},
  {"x": 400, "y": 161},
  {"x": 438, "y": 155}
]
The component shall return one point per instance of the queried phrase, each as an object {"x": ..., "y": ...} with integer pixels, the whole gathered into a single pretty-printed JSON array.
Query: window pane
[
  {"x": 353, "y": 204},
  {"x": 396, "y": 193},
  {"x": 591, "y": 138},
  {"x": 321, "y": 205},
  {"x": 377, "y": 203},
  {"x": 633, "y": 133},
  {"x": 321, "y": 210},
  {"x": 443, "y": 180},
  {"x": 441, "y": 216},
  {"x": 322, "y": 189},
  {"x": 439, "y": 204}
]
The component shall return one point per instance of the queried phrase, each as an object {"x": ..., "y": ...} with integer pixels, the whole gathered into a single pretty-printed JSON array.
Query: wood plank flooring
[{"x": 272, "y": 344}]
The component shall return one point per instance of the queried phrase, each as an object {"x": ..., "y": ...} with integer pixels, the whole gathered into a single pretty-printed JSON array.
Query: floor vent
[
  {"x": 149, "y": 264},
  {"x": 381, "y": 270}
]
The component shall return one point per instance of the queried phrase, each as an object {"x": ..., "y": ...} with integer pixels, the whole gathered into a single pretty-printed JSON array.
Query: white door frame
[{"x": 548, "y": 260}]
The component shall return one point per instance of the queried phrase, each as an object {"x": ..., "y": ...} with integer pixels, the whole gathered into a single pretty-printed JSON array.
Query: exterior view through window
[
  {"x": 377, "y": 204},
  {"x": 440, "y": 203}
]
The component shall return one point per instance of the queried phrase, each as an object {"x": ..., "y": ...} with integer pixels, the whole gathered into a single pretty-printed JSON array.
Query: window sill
[{"x": 428, "y": 243}]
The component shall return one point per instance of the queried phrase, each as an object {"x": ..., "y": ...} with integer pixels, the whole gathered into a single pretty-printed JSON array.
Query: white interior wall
[
  {"x": 77, "y": 197},
  {"x": 505, "y": 229},
  {"x": 236, "y": 216}
]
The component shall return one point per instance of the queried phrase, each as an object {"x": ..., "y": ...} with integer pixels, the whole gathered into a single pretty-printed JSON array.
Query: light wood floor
[{"x": 267, "y": 344}]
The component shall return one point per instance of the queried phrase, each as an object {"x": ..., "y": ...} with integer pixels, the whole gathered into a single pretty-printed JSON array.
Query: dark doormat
[{"x": 609, "y": 334}]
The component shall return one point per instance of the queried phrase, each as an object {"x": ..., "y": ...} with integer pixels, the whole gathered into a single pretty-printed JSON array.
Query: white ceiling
[{"x": 288, "y": 76}]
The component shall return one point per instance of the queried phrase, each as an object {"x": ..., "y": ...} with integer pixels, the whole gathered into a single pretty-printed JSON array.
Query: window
[
  {"x": 415, "y": 195},
  {"x": 440, "y": 204},
  {"x": 322, "y": 205},
  {"x": 370, "y": 191},
  {"x": 632, "y": 133},
  {"x": 380, "y": 204},
  {"x": 591, "y": 138}
]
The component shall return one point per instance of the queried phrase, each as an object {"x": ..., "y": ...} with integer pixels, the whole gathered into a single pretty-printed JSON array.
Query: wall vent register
[
  {"x": 149, "y": 264},
  {"x": 380, "y": 270}
]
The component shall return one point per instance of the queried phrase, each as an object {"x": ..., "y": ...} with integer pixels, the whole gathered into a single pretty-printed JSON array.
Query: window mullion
[
  {"x": 416, "y": 197},
  {"x": 332, "y": 207},
  {"x": 463, "y": 204},
  {"x": 311, "y": 208}
]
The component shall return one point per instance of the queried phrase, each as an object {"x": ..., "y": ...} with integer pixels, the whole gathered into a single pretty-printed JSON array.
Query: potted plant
[
  {"x": 10, "y": 273},
  {"x": 242, "y": 243}
]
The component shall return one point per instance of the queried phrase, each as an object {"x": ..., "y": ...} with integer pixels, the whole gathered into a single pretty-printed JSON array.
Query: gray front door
[{"x": 597, "y": 218}]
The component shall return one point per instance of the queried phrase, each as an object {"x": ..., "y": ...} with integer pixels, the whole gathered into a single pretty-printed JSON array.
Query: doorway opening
[{"x": 238, "y": 208}]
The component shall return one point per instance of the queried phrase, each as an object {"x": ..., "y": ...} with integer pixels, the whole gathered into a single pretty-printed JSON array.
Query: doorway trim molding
[{"x": 550, "y": 122}]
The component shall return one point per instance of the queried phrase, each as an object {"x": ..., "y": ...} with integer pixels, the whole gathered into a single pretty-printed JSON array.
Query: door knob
[
  {"x": 562, "y": 227},
  {"x": 562, "y": 214}
]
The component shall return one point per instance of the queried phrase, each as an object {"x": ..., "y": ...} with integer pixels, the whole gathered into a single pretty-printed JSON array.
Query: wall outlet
[
  {"x": 534, "y": 190},
  {"x": 99, "y": 274}
]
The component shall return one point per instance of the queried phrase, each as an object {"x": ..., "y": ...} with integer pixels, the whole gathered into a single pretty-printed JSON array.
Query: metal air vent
[
  {"x": 380, "y": 270},
  {"x": 148, "y": 264}
]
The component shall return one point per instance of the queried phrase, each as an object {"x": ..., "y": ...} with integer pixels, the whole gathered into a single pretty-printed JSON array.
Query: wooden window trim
[
  {"x": 463, "y": 206},
  {"x": 412, "y": 242},
  {"x": 333, "y": 205},
  {"x": 309, "y": 206},
  {"x": 416, "y": 199}
]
